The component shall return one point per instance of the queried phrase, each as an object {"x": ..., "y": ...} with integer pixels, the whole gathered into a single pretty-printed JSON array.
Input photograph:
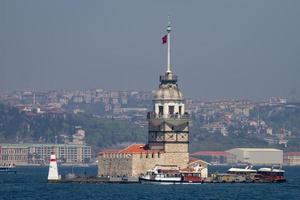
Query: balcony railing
[
  {"x": 153, "y": 115},
  {"x": 168, "y": 79}
]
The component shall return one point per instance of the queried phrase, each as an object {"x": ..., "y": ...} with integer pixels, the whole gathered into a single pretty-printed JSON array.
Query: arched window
[
  {"x": 160, "y": 110},
  {"x": 171, "y": 110}
]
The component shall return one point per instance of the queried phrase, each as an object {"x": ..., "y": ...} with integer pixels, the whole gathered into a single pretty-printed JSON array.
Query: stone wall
[
  {"x": 176, "y": 148},
  {"x": 179, "y": 159},
  {"x": 115, "y": 165},
  {"x": 136, "y": 164},
  {"x": 142, "y": 163}
]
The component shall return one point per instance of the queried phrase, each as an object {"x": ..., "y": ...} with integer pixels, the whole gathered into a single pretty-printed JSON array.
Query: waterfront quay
[
  {"x": 215, "y": 178},
  {"x": 97, "y": 180}
]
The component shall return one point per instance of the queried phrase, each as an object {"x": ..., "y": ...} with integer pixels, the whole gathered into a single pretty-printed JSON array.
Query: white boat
[
  {"x": 271, "y": 174},
  {"x": 242, "y": 171},
  {"x": 8, "y": 168},
  {"x": 166, "y": 175},
  {"x": 262, "y": 175}
]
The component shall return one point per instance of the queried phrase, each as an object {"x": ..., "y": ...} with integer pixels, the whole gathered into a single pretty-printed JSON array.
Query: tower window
[
  {"x": 180, "y": 110},
  {"x": 160, "y": 110},
  {"x": 171, "y": 110}
]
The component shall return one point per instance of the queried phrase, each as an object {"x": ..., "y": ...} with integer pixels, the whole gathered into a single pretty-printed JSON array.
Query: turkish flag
[{"x": 164, "y": 39}]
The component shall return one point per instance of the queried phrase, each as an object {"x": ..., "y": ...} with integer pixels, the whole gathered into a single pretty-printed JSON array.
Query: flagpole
[{"x": 169, "y": 48}]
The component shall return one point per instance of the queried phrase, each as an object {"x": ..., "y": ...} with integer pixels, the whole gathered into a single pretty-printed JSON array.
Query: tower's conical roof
[
  {"x": 168, "y": 92},
  {"x": 168, "y": 89}
]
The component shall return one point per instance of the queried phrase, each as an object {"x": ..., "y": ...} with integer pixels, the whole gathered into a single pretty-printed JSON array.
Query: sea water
[{"x": 31, "y": 183}]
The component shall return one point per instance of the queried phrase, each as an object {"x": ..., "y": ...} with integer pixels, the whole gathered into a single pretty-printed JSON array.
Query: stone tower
[
  {"x": 168, "y": 122},
  {"x": 168, "y": 135}
]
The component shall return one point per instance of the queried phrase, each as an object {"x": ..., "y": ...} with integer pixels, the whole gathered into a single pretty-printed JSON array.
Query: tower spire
[{"x": 169, "y": 46}]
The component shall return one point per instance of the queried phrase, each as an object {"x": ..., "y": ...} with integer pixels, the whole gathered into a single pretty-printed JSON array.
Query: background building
[
  {"x": 13, "y": 154},
  {"x": 257, "y": 156},
  {"x": 23, "y": 154},
  {"x": 215, "y": 157},
  {"x": 291, "y": 158}
]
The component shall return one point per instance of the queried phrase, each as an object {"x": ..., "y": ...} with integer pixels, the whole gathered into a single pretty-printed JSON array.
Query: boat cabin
[
  {"x": 271, "y": 174},
  {"x": 191, "y": 176},
  {"x": 239, "y": 171}
]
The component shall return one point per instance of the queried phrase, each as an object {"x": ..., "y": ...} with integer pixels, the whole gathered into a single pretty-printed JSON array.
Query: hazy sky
[{"x": 220, "y": 49}]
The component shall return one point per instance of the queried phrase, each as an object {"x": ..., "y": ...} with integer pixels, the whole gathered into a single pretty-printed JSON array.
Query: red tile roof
[
  {"x": 211, "y": 153},
  {"x": 292, "y": 153},
  {"x": 110, "y": 151},
  {"x": 131, "y": 149},
  {"x": 192, "y": 159}
]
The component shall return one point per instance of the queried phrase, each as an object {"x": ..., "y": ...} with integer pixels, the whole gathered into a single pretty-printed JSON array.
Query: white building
[
  {"x": 257, "y": 156},
  {"x": 23, "y": 154}
]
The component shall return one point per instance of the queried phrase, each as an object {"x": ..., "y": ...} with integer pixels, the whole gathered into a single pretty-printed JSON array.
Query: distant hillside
[
  {"x": 279, "y": 117},
  {"x": 282, "y": 116},
  {"x": 17, "y": 126}
]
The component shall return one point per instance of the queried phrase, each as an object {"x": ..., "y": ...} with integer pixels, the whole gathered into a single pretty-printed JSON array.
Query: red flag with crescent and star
[{"x": 164, "y": 39}]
